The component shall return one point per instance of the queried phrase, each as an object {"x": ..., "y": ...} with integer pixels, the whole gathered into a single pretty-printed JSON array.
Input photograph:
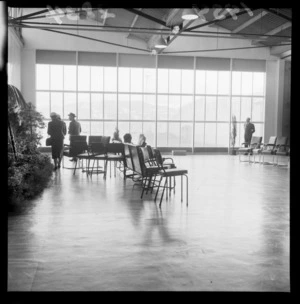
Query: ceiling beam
[
  {"x": 134, "y": 11},
  {"x": 133, "y": 22},
  {"x": 273, "y": 11},
  {"x": 249, "y": 22},
  {"x": 30, "y": 15}
]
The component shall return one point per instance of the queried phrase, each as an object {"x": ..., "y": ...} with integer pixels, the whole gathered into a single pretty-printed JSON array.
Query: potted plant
[{"x": 232, "y": 150}]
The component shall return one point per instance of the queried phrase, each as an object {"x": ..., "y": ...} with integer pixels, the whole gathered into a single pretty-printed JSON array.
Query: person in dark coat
[
  {"x": 249, "y": 130},
  {"x": 57, "y": 131}
]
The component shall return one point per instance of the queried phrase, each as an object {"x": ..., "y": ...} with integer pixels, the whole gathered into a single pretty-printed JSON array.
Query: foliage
[{"x": 27, "y": 177}]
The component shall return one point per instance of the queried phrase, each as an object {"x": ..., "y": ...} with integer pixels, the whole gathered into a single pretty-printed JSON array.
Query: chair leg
[
  {"x": 166, "y": 181},
  {"x": 187, "y": 190},
  {"x": 181, "y": 188},
  {"x": 144, "y": 180},
  {"x": 75, "y": 166},
  {"x": 158, "y": 188}
]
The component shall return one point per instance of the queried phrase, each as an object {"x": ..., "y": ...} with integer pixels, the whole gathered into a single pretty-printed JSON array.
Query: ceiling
[{"x": 263, "y": 27}]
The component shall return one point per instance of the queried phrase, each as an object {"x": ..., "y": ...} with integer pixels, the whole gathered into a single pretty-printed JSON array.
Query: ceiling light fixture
[
  {"x": 189, "y": 14},
  {"x": 161, "y": 43}
]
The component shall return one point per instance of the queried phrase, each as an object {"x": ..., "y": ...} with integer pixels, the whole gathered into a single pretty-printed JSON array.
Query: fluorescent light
[{"x": 189, "y": 14}]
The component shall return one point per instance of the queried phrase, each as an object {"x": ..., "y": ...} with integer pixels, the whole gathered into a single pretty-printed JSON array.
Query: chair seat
[
  {"x": 244, "y": 150},
  {"x": 282, "y": 153},
  {"x": 100, "y": 157},
  {"x": 115, "y": 157},
  {"x": 257, "y": 151},
  {"x": 84, "y": 155},
  {"x": 173, "y": 172},
  {"x": 267, "y": 152}
]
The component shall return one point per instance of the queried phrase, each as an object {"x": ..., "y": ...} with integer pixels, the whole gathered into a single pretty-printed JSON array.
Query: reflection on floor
[{"x": 91, "y": 234}]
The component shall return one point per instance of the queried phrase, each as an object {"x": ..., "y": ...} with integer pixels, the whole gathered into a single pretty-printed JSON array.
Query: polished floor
[{"x": 91, "y": 234}]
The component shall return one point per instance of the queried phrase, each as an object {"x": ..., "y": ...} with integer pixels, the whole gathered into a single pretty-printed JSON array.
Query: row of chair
[
  {"x": 142, "y": 164},
  {"x": 276, "y": 147}
]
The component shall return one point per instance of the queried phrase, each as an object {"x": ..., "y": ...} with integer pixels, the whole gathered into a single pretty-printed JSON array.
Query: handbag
[{"x": 49, "y": 141}]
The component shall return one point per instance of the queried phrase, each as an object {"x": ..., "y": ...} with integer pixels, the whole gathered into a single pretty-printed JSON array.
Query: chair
[
  {"x": 265, "y": 149},
  {"x": 282, "y": 149},
  {"x": 165, "y": 173},
  {"x": 254, "y": 144},
  {"x": 128, "y": 162},
  {"x": 115, "y": 153},
  {"x": 94, "y": 139},
  {"x": 105, "y": 140},
  {"x": 82, "y": 152},
  {"x": 73, "y": 149},
  {"x": 98, "y": 152}
]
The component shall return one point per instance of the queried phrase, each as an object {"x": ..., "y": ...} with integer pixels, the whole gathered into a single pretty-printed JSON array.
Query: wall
[
  {"x": 14, "y": 59},
  {"x": 28, "y": 75},
  {"x": 286, "y": 108}
]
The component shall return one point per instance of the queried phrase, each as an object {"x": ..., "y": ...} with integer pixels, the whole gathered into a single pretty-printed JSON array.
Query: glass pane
[
  {"x": 162, "y": 135},
  {"x": 236, "y": 83},
  {"x": 135, "y": 131},
  {"x": 186, "y": 139},
  {"x": 110, "y": 79},
  {"x": 85, "y": 128},
  {"x": 42, "y": 77},
  {"x": 236, "y": 107},
  {"x": 162, "y": 107},
  {"x": 223, "y": 109},
  {"x": 258, "y": 83},
  {"x": 246, "y": 83},
  {"x": 211, "y": 108},
  {"x": 174, "y": 108},
  {"x": 124, "y": 79},
  {"x": 57, "y": 103},
  {"x": 123, "y": 107},
  {"x": 70, "y": 77},
  {"x": 211, "y": 82},
  {"x": 84, "y": 106},
  {"x": 136, "y": 80},
  {"x": 187, "y": 82},
  {"x": 96, "y": 127},
  {"x": 43, "y": 103},
  {"x": 199, "y": 135},
  {"x": 163, "y": 81},
  {"x": 149, "y": 107},
  {"x": 174, "y": 134},
  {"x": 44, "y": 133},
  {"x": 149, "y": 80},
  {"x": 123, "y": 128},
  {"x": 223, "y": 134},
  {"x": 97, "y": 106},
  {"x": 69, "y": 104},
  {"x": 210, "y": 135},
  {"x": 240, "y": 134},
  {"x": 223, "y": 82},
  {"x": 110, "y": 106},
  {"x": 136, "y": 107},
  {"x": 258, "y": 109},
  {"x": 56, "y": 77},
  {"x": 174, "y": 81},
  {"x": 200, "y": 82},
  {"x": 84, "y": 78},
  {"x": 149, "y": 132},
  {"x": 245, "y": 108},
  {"x": 187, "y": 108},
  {"x": 96, "y": 79},
  {"x": 259, "y": 130},
  {"x": 199, "y": 107},
  {"x": 109, "y": 128}
]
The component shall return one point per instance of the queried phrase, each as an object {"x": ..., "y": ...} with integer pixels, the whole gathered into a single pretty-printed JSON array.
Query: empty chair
[
  {"x": 266, "y": 149},
  {"x": 282, "y": 149},
  {"x": 115, "y": 153},
  {"x": 254, "y": 144},
  {"x": 167, "y": 173},
  {"x": 98, "y": 153},
  {"x": 105, "y": 140},
  {"x": 94, "y": 139}
]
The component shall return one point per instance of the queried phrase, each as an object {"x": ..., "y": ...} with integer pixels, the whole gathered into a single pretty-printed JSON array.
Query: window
[
  {"x": 162, "y": 134},
  {"x": 199, "y": 108},
  {"x": 43, "y": 103},
  {"x": 149, "y": 80},
  {"x": 211, "y": 107},
  {"x": 174, "y": 107},
  {"x": 223, "y": 109},
  {"x": 174, "y": 134},
  {"x": 186, "y": 138},
  {"x": 84, "y": 106},
  {"x": 124, "y": 80},
  {"x": 136, "y": 107},
  {"x": 110, "y": 79},
  {"x": 149, "y": 107},
  {"x": 124, "y": 107},
  {"x": 174, "y": 81},
  {"x": 163, "y": 81},
  {"x": 56, "y": 102},
  {"x": 162, "y": 107},
  {"x": 96, "y": 79},
  {"x": 42, "y": 77},
  {"x": 187, "y": 82},
  {"x": 210, "y": 134},
  {"x": 187, "y": 108},
  {"x": 83, "y": 78},
  {"x": 211, "y": 82},
  {"x": 96, "y": 106},
  {"x": 56, "y": 77},
  {"x": 199, "y": 135},
  {"x": 200, "y": 82},
  {"x": 69, "y": 104},
  {"x": 136, "y": 80},
  {"x": 110, "y": 106},
  {"x": 69, "y": 78}
]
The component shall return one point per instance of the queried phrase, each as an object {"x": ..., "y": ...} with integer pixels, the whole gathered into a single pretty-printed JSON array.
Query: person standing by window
[
  {"x": 57, "y": 131},
  {"x": 74, "y": 126},
  {"x": 249, "y": 130}
]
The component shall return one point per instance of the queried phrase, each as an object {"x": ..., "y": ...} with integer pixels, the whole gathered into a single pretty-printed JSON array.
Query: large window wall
[{"x": 173, "y": 106}]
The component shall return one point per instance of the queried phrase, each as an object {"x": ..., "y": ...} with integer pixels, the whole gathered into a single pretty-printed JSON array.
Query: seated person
[
  {"x": 142, "y": 140},
  {"x": 127, "y": 138}
]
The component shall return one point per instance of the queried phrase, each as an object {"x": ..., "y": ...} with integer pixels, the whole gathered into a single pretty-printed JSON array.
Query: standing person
[
  {"x": 57, "y": 131},
  {"x": 116, "y": 137},
  {"x": 74, "y": 128},
  {"x": 142, "y": 140},
  {"x": 249, "y": 130}
]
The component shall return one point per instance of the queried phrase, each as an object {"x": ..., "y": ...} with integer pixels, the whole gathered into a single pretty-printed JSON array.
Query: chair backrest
[
  {"x": 115, "y": 148},
  {"x": 145, "y": 152},
  {"x": 77, "y": 138},
  {"x": 105, "y": 140},
  {"x": 135, "y": 159},
  {"x": 77, "y": 147},
  {"x": 159, "y": 159},
  {"x": 98, "y": 148},
  {"x": 281, "y": 143},
  {"x": 271, "y": 144},
  {"x": 95, "y": 139},
  {"x": 255, "y": 142},
  {"x": 128, "y": 158}
]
